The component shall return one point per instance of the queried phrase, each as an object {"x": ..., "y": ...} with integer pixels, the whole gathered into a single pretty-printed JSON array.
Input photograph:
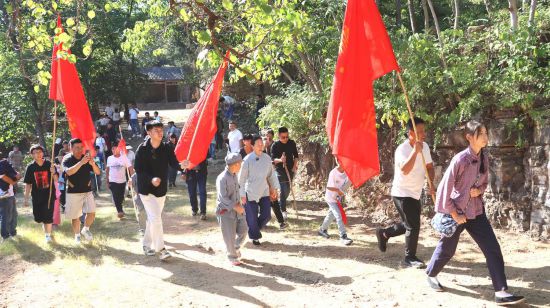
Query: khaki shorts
[{"x": 78, "y": 203}]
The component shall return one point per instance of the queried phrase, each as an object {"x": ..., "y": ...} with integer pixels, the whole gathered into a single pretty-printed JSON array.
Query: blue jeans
[
  {"x": 334, "y": 214},
  {"x": 255, "y": 223},
  {"x": 212, "y": 150},
  {"x": 134, "y": 124},
  {"x": 8, "y": 217},
  {"x": 229, "y": 112},
  {"x": 285, "y": 191},
  {"x": 197, "y": 180}
]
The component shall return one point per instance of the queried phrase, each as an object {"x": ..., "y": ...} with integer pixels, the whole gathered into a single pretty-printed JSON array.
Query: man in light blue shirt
[{"x": 258, "y": 183}]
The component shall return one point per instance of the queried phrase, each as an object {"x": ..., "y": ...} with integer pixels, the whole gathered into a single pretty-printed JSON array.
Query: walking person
[
  {"x": 196, "y": 181},
  {"x": 234, "y": 138},
  {"x": 230, "y": 211},
  {"x": 134, "y": 124},
  {"x": 172, "y": 172},
  {"x": 408, "y": 181},
  {"x": 38, "y": 177},
  {"x": 285, "y": 157},
  {"x": 141, "y": 215},
  {"x": 258, "y": 183},
  {"x": 151, "y": 165},
  {"x": 460, "y": 195},
  {"x": 336, "y": 186},
  {"x": 78, "y": 184},
  {"x": 15, "y": 158},
  {"x": 8, "y": 211},
  {"x": 275, "y": 202},
  {"x": 116, "y": 177},
  {"x": 247, "y": 146}
]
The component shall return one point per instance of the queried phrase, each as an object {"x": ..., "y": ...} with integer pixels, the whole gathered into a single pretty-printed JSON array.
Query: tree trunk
[
  {"x": 398, "y": 13},
  {"x": 513, "y": 8},
  {"x": 310, "y": 70},
  {"x": 488, "y": 8},
  {"x": 532, "y": 13},
  {"x": 436, "y": 23},
  {"x": 411, "y": 15},
  {"x": 39, "y": 127},
  {"x": 426, "y": 16},
  {"x": 457, "y": 13}
]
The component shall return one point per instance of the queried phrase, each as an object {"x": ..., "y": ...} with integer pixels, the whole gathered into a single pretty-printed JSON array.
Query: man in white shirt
[
  {"x": 234, "y": 138},
  {"x": 408, "y": 181},
  {"x": 134, "y": 112}
]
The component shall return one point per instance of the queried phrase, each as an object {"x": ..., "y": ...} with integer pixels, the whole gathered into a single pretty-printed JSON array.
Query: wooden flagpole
[
  {"x": 411, "y": 115},
  {"x": 53, "y": 146}
]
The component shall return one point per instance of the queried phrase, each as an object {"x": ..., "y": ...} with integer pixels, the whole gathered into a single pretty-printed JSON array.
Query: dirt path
[{"x": 293, "y": 268}]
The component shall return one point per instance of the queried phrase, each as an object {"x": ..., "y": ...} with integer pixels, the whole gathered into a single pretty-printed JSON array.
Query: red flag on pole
[
  {"x": 65, "y": 87},
  {"x": 201, "y": 125},
  {"x": 122, "y": 146},
  {"x": 365, "y": 55}
]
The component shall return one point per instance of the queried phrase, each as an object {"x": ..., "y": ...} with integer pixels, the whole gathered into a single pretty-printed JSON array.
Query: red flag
[
  {"x": 65, "y": 87},
  {"x": 342, "y": 212},
  {"x": 122, "y": 146},
  {"x": 365, "y": 54},
  {"x": 201, "y": 124}
]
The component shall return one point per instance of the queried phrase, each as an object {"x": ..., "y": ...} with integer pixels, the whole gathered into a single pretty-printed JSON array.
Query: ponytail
[{"x": 473, "y": 128}]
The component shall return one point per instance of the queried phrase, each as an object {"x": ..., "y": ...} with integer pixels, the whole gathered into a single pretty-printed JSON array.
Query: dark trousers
[
  {"x": 197, "y": 180},
  {"x": 172, "y": 175},
  {"x": 117, "y": 190},
  {"x": 409, "y": 211},
  {"x": 8, "y": 217},
  {"x": 255, "y": 222},
  {"x": 277, "y": 211},
  {"x": 481, "y": 231},
  {"x": 285, "y": 191},
  {"x": 219, "y": 141}
]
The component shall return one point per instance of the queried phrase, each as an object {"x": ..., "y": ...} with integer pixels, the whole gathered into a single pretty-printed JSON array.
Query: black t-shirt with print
[
  {"x": 80, "y": 181},
  {"x": 40, "y": 178}
]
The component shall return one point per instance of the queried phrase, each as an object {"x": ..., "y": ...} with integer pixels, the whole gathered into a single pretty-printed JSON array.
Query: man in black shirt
[
  {"x": 151, "y": 165},
  {"x": 38, "y": 176},
  {"x": 79, "y": 198},
  {"x": 285, "y": 157}
]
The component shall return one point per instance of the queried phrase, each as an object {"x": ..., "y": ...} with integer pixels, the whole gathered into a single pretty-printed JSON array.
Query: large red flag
[
  {"x": 65, "y": 87},
  {"x": 365, "y": 54},
  {"x": 201, "y": 124}
]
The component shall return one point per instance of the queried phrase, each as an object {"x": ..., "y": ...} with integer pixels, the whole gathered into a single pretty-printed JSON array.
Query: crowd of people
[{"x": 256, "y": 181}]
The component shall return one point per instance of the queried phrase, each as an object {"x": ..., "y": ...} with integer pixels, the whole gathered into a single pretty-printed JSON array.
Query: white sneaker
[
  {"x": 87, "y": 234},
  {"x": 48, "y": 239},
  {"x": 164, "y": 255},
  {"x": 77, "y": 240},
  {"x": 148, "y": 251},
  {"x": 285, "y": 216}
]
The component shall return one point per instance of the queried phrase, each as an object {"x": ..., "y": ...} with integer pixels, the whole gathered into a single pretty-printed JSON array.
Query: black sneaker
[
  {"x": 323, "y": 233},
  {"x": 256, "y": 242},
  {"x": 382, "y": 240},
  {"x": 283, "y": 225},
  {"x": 345, "y": 240},
  {"x": 435, "y": 286},
  {"x": 195, "y": 213},
  {"x": 414, "y": 262},
  {"x": 510, "y": 300}
]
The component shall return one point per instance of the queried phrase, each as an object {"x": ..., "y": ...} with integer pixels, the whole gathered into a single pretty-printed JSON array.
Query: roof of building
[{"x": 162, "y": 73}]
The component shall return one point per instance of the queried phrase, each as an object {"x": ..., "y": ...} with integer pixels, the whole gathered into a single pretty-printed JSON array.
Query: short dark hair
[
  {"x": 222, "y": 99},
  {"x": 409, "y": 125},
  {"x": 283, "y": 130},
  {"x": 256, "y": 138},
  {"x": 65, "y": 142},
  {"x": 114, "y": 144},
  {"x": 174, "y": 136},
  {"x": 36, "y": 147},
  {"x": 270, "y": 131},
  {"x": 147, "y": 112},
  {"x": 248, "y": 137},
  {"x": 74, "y": 141},
  {"x": 156, "y": 112},
  {"x": 232, "y": 122},
  {"x": 149, "y": 125}
]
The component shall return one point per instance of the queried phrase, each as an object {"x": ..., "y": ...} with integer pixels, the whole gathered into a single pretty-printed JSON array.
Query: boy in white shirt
[
  {"x": 116, "y": 177},
  {"x": 337, "y": 183}
]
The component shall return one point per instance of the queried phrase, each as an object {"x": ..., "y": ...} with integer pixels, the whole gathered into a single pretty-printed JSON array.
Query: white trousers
[{"x": 154, "y": 233}]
